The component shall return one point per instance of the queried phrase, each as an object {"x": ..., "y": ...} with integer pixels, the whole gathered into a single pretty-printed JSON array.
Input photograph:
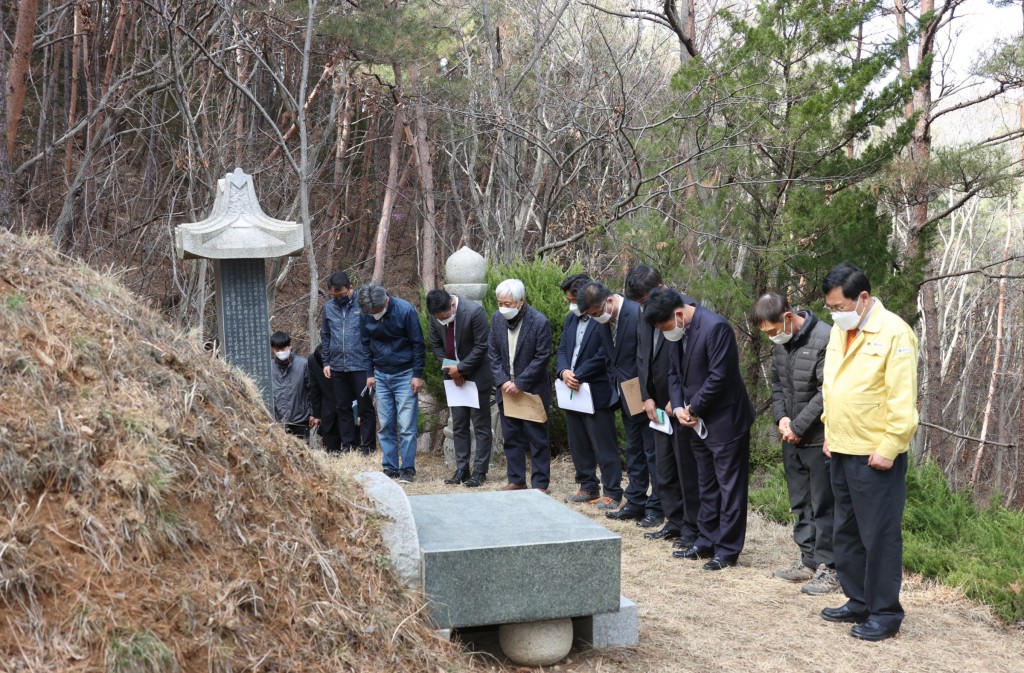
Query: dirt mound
[{"x": 153, "y": 518}]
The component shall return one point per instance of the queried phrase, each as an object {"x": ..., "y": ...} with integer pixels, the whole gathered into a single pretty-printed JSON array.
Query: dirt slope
[{"x": 152, "y": 518}]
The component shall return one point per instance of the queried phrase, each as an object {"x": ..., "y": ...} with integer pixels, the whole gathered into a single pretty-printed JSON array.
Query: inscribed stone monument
[{"x": 238, "y": 236}]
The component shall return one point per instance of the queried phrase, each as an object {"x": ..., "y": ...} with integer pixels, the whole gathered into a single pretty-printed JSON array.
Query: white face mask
[
  {"x": 508, "y": 313},
  {"x": 603, "y": 318},
  {"x": 378, "y": 316},
  {"x": 448, "y": 320},
  {"x": 283, "y": 355},
  {"x": 782, "y": 337},
  {"x": 575, "y": 310},
  {"x": 847, "y": 320},
  {"x": 676, "y": 333}
]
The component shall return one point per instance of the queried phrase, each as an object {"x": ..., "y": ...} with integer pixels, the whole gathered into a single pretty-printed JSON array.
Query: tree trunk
[
  {"x": 16, "y": 80},
  {"x": 5, "y": 163},
  {"x": 391, "y": 191},
  {"x": 428, "y": 274}
]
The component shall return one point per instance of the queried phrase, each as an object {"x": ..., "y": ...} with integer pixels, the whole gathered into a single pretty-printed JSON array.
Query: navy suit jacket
[
  {"x": 533, "y": 351},
  {"x": 707, "y": 377},
  {"x": 472, "y": 334},
  {"x": 622, "y": 355},
  {"x": 591, "y": 364}
]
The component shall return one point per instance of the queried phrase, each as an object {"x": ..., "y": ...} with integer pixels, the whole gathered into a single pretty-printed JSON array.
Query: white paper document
[
  {"x": 462, "y": 396},
  {"x": 574, "y": 400}
]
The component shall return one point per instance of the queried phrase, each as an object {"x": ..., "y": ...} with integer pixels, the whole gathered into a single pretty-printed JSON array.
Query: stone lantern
[{"x": 238, "y": 236}]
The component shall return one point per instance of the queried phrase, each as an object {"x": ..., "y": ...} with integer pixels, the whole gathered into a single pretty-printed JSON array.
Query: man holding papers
[
  {"x": 622, "y": 318},
  {"x": 706, "y": 389},
  {"x": 593, "y": 441},
  {"x": 519, "y": 350},
  {"x": 458, "y": 339}
]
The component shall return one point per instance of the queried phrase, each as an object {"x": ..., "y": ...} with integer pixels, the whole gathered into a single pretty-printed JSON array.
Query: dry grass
[
  {"x": 153, "y": 518},
  {"x": 742, "y": 619}
]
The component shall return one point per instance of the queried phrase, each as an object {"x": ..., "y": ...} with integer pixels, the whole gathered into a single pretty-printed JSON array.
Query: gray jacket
[
  {"x": 797, "y": 374},
  {"x": 290, "y": 384},
  {"x": 341, "y": 337}
]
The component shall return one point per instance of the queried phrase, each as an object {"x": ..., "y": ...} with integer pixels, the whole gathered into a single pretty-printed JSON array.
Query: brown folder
[
  {"x": 525, "y": 406},
  {"x": 631, "y": 393}
]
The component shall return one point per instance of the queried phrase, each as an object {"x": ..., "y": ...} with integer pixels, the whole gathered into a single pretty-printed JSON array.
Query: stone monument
[
  {"x": 466, "y": 272},
  {"x": 238, "y": 236}
]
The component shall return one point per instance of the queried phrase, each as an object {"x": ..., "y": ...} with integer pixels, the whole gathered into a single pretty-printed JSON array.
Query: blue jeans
[{"x": 398, "y": 410}]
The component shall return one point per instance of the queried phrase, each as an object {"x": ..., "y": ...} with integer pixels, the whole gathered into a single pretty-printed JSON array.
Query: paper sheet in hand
[
  {"x": 631, "y": 393},
  {"x": 664, "y": 423},
  {"x": 574, "y": 400},
  {"x": 464, "y": 396},
  {"x": 525, "y": 406}
]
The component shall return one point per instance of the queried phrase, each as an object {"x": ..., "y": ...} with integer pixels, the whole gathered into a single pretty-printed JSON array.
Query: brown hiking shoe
[
  {"x": 797, "y": 573},
  {"x": 825, "y": 581},
  {"x": 581, "y": 496},
  {"x": 605, "y": 503}
]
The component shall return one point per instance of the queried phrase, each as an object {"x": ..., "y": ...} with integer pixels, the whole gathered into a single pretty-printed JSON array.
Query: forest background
[{"x": 738, "y": 147}]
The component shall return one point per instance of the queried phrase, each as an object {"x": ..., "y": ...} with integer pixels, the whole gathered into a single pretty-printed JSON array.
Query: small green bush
[{"x": 771, "y": 496}]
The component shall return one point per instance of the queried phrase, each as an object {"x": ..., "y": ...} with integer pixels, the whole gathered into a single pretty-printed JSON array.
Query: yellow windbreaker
[{"x": 870, "y": 391}]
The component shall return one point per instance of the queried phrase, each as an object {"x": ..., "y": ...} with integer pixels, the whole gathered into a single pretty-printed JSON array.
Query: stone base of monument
[
  {"x": 612, "y": 629},
  {"x": 524, "y": 564}
]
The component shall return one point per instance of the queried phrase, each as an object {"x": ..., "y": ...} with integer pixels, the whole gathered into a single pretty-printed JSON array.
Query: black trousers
[
  {"x": 521, "y": 437},
  {"x": 809, "y": 483},
  {"x": 348, "y": 388},
  {"x": 461, "y": 437},
  {"x": 723, "y": 471},
  {"x": 640, "y": 462},
  {"x": 297, "y": 430},
  {"x": 328, "y": 431},
  {"x": 869, "y": 536},
  {"x": 676, "y": 471},
  {"x": 593, "y": 443}
]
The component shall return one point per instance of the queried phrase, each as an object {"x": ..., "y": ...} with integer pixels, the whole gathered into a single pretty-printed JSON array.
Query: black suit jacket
[
  {"x": 622, "y": 354},
  {"x": 704, "y": 372},
  {"x": 652, "y": 363},
  {"x": 471, "y": 338},
  {"x": 591, "y": 364},
  {"x": 533, "y": 351},
  {"x": 321, "y": 393}
]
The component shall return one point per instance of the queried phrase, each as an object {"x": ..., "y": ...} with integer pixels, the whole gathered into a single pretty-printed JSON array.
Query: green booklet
[{"x": 448, "y": 363}]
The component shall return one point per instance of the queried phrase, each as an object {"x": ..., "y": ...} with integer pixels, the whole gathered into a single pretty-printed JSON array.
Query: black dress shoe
[
  {"x": 873, "y": 631},
  {"x": 458, "y": 477},
  {"x": 664, "y": 533},
  {"x": 718, "y": 563},
  {"x": 650, "y": 521},
  {"x": 477, "y": 479},
  {"x": 684, "y": 542},
  {"x": 694, "y": 552},
  {"x": 843, "y": 614},
  {"x": 625, "y": 513}
]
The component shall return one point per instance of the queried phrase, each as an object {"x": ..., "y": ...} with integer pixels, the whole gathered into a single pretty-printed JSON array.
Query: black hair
[
  {"x": 338, "y": 280},
  {"x": 640, "y": 280},
  {"x": 438, "y": 300},
  {"x": 661, "y": 304},
  {"x": 280, "y": 340},
  {"x": 592, "y": 295},
  {"x": 849, "y": 277},
  {"x": 573, "y": 282},
  {"x": 769, "y": 308}
]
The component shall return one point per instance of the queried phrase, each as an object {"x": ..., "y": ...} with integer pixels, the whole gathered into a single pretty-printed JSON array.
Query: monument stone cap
[{"x": 237, "y": 228}]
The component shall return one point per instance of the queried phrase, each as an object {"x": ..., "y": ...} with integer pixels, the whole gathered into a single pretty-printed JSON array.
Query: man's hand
[
  {"x": 327, "y": 371},
  {"x": 824, "y": 449},
  {"x": 685, "y": 418},
  {"x": 570, "y": 380},
  {"x": 510, "y": 388},
  {"x": 417, "y": 385},
  {"x": 786, "y": 430},
  {"x": 455, "y": 375},
  {"x": 652, "y": 410},
  {"x": 371, "y": 383},
  {"x": 313, "y": 421},
  {"x": 879, "y": 462}
]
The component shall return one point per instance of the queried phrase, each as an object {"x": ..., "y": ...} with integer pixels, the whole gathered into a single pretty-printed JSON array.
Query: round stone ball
[{"x": 536, "y": 643}]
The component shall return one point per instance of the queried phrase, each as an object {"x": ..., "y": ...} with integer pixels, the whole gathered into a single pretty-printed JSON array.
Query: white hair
[{"x": 511, "y": 287}]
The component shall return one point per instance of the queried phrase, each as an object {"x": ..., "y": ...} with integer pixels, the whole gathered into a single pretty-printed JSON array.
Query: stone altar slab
[{"x": 513, "y": 556}]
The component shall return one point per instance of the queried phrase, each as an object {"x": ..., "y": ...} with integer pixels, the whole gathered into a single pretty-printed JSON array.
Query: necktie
[{"x": 449, "y": 341}]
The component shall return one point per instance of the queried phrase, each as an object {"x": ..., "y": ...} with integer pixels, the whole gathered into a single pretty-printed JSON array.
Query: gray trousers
[
  {"x": 462, "y": 439},
  {"x": 810, "y": 498}
]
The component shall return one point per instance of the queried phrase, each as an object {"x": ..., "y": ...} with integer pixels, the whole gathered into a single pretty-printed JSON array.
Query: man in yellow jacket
[{"x": 870, "y": 400}]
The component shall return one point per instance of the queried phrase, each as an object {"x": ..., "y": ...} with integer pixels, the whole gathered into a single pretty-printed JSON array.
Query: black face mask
[{"x": 342, "y": 301}]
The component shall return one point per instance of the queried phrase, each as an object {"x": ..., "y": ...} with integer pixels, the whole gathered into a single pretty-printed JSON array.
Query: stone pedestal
[{"x": 238, "y": 236}]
